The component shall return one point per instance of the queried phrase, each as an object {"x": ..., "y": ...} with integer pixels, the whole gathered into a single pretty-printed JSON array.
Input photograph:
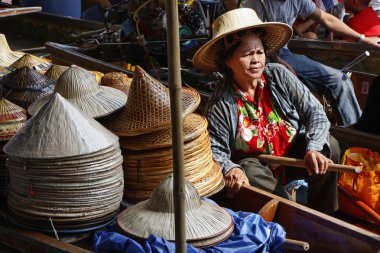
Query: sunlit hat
[
  {"x": 12, "y": 118},
  {"x": 7, "y": 56},
  {"x": 59, "y": 130},
  {"x": 276, "y": 36},
  {"x": 117, "y": 80},
  {"x": 31, "y": 61},
  {"x": 148, "y": 106},
  {"x": 55, "y": 71},
  {"x": 156, "y": 216},
  {"x": 80, "y": 87}
]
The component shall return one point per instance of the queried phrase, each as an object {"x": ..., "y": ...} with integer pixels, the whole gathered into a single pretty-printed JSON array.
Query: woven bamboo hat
[
  {"x": 276, "y": 36},
  {"x": 55, "y": 71},
  {"x": 7, "y": 56},
  {"x": 156, "y": 215},
  {"x": 117, "y": 80},
  {"x": 80, "y": 87},
  {"x": 31, "y": 61},
  {"x": 59, "y": 130},
  {"x": 3, "y": 71},
  {"x": 12, "y": 118},
  {"x": 148, "y": 106},
  {"x": 25, "y": 79}
]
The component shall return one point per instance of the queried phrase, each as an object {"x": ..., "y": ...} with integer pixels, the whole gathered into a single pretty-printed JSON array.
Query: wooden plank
[
  {"x": 348, "y": 137},
  {"x": 27, "y": 241}
]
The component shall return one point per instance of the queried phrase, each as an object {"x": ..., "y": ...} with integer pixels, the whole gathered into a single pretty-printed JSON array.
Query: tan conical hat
[
  {"x": 194, "y": 125},
  {"x": 31, "y": 61},
  {"x": 156, "y": 215},
  {"x": 117, "y": 80},
  {"x": 3, "y": 71},
  {"x": 276, "y": 36},
  {"x": 80, "y": 87},
  {"x": 25, "y": 79},
  {"x": 148, "y": 106},
  {"x": 55, "y": 71},
  {"x": 7, "y": 56},
  {"x": 59, "y": 130},
  {"x": 12, "y": 118}
]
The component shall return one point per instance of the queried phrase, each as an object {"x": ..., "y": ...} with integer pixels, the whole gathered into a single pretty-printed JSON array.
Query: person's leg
[
  {"x": 261, "y": 176},
  {"x": 322, "y": 189},
  {"x": 334, "y": 84}
]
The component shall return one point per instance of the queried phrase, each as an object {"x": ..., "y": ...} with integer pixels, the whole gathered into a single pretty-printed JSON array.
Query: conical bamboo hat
[
  {"x": 12, "y": 118},
  {"x": 55, "y": 71},
  {"x": 25, "y": 79},
  {"x": 148, "y": 106},
  {"x": 31, "y": 61},
  {"x": 194, "y": 125},
  {"x": 3, "y": 71},
  {"x": 7, "y": 56},
  {"x": 59, "y": 130},
  {"x": 80, "y": 87},
  {"x": 156, "y": 215},
  {"x": 117, "y": 80}
]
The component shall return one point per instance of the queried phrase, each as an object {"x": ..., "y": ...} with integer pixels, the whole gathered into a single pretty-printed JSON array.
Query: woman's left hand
[{"x": 316, "y": 162}]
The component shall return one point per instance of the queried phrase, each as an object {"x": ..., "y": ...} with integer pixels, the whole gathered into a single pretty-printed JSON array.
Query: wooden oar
[
  {"x": 287, "y": 161},
  {"x": 6, "y": 12}
]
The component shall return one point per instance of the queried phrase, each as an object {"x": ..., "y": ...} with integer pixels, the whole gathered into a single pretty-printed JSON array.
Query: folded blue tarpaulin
[{"x": 251, "y": 234}]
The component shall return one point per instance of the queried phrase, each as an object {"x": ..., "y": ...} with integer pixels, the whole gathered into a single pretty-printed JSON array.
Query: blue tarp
[{"x": 251, "y": 234}]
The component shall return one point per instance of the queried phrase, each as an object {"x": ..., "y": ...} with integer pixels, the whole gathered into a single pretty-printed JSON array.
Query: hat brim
[
  {"x": 104, "y": 102},
  {"x": 277, "y": 35}
]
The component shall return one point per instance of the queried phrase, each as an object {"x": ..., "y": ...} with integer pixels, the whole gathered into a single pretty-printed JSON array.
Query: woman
[{"x": 263, "y": 108}]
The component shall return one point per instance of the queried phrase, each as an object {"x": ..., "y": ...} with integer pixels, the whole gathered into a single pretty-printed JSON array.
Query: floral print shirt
[{"x": 261, "y": 127}]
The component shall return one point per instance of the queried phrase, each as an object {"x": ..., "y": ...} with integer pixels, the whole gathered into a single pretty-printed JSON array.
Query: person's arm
[
  {"x": 302, "y": 27},
  {"x": 337, "y": 26}
]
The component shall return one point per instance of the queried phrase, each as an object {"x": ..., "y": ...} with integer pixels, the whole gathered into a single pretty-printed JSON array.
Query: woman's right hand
[{"x": 234, "y": 180}]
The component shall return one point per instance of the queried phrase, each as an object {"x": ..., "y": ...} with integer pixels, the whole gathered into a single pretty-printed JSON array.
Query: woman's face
[{"x": 248, "y": 61}]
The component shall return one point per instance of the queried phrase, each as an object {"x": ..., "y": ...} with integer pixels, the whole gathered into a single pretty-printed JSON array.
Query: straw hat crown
[
  {"x": 59, "y": 130},
  {"x": 80, "y": 87},
  {"x": 26, "y": 79},
  {"x": 31, "y": 61},
  {"x": 9, "y": 112},
  {"x": 7, "y": 56},
  {"x": 276, "y": 36},
  {"x": 148, "y": 106},
  {"x": 55, "y": 71},
  {"x": 156, "y": 215}
]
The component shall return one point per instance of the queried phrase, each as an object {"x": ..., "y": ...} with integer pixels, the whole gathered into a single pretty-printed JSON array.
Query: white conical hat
[
  {"x": 59, "y": 130},
  {"x": 7, "y": 56}
]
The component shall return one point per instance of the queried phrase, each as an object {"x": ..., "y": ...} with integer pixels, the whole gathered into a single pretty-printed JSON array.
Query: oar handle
[
  {"x": 288, "y": 161},
  {"x": 296, "y": 245}
]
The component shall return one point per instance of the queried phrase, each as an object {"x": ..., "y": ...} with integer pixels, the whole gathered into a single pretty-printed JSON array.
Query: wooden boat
[{"x": 338, "y": 53}]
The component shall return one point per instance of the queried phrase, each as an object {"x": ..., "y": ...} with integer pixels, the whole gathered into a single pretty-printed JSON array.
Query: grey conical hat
[
  {"x": 156, "y": 215},
  {"x": 7, "y": 56},
  {"x": 80, "y": 87},
  {"x": 30, "y": 61},
  {"x": 59, "y": 130}
]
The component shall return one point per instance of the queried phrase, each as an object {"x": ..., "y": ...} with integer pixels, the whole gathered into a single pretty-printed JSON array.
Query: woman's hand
[
  {"x": 316, "y": 162},
  {"x": 234, "y": 180}
]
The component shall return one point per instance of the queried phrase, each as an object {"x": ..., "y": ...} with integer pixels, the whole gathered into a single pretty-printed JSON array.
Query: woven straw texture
[
  {"x": 148, "y": 106},
  {"x": 3, "y": 173},
  {"x": 59, "y": 130},
  {"x": 25, "y": 79},
  {"x": 156, "y": 215},
  {"x": 144, "y": 169},
  {"x": 3, "y": 71},
  {"x": 55, "y": 71},
  {"x": 277, "y": 35},
  {"x": 30, "y": 61},
  {"x": 117, "y": 80},
  {"x": 193, "y": 126},
  {"x": 7, "y": 56},
  {"x": 80, "y": 87},
  {"x": 12, "y": 118}
]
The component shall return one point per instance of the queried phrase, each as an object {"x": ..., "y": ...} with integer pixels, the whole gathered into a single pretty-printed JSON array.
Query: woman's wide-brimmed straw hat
[
  {"x": 148, "y": 106},
  {"x": 7, "y": 56},
  {"x": 80, "y": 87},
  {"x": 276, "y": 36},
  {"x": 204, "y": 221}
]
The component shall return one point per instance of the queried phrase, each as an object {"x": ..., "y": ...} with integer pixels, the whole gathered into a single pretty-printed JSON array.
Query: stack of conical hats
[
  {"x": 25, "y": 85},
  {"x": 12, "y": 118},
  {"x": 7, "y": 56},
  {"x": 80, "y": 87},
  {"x": 55, "y": 71},
  {"x": 206, "y": 224},
  {"x": 145, "y": 138},
  {"x": 30, "y": 61},
  {"x": 65, "y": 171}
]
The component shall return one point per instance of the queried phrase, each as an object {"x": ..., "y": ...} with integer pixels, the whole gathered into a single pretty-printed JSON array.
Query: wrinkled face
[{"x": 248, "y": 61}]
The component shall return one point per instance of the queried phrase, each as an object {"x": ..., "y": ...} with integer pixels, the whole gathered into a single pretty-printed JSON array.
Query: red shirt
[{"x": 365, "y": 22}]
